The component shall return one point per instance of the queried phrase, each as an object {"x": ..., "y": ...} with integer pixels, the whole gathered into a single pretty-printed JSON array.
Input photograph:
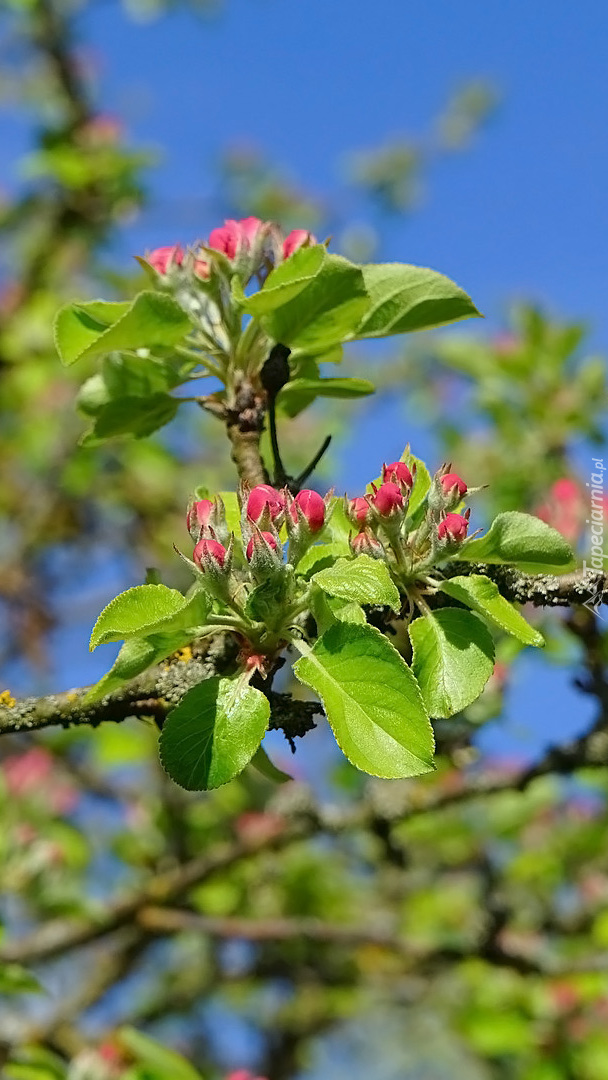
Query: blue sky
[{"x": 522, "y": 213}]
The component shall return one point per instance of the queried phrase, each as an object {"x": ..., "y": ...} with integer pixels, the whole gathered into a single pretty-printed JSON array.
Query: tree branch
[
  {"x": 161, "y": 920},
  {"x": 151, "y": 695},
  {"x": 57, "y": 936},
  {"x": 543, "y": 590}
]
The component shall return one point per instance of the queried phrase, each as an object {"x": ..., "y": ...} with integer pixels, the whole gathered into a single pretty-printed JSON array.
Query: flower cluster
[
  {"x": 232, "y": 566},
  {"x": 264, "y": 510},
  {"x": 250, "y": 247},
  {"x": 412, "y": 541}
]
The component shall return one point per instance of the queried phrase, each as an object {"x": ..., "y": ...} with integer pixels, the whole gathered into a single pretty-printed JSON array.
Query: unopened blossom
[
  {"x": 453, "y": 528},
  {"x": 265, "y": 498},
  {"x": 209, "y": 552},
  {"x": 387, "y": 500},
  {"x": 234, "y": 236},
  {"x": 256, "y": 541},
  {"x": 365, "y": 543},
  {"x": 295, "y": 240},
  {"x": 398, "y": 473},
  {"x": 198, "y": 515},
  {"x": 164, "y": 257},
  {"x": 452, "y": 483},
  {"x": 358, "y": 510},
  {"x": 312, "y": 507}
]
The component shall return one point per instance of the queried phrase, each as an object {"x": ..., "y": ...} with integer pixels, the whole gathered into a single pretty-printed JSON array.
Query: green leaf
[
  {"x": 384, "y": 733},
  {"x": 333, "y": 388},
  {"x": 15, "y": 979},
  {"x": 287, "y": 280},
  {"x": 144, "y": 609},
  {"x": 320, "y": 556},
  {"x": 453, "y": 659},
  {"x": 136, "y": 656},
  {"x": 482, "y": 595},
  {"x": 129, "y": 376},
  {"x": 522, "y": 540},
  {"x": 78, "y": 325},
  {"x": 325, "y": 312},
  {"x": 328, "y": 610},
  {"x": 213, "y": 733},
  {"x": 34, "y": 1063},
  {"x": 152, "y": 319},
  {"x": 266, "y": 601},
  {"x": 363, "y": 580},
  {"x": 166, "y": 1063},
  {"x": 422, "y": 483},
  {"x": 267, "y": 768},
  {"x": 233, "y": 511},
  {"x": 404, "y": 298},
  {"x": 137, "y": 416}
]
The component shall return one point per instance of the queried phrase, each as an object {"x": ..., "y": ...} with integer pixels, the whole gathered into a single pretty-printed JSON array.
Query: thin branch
[
  {"x": 161, "y": 920},
  {"x": 57, "y": 936}
]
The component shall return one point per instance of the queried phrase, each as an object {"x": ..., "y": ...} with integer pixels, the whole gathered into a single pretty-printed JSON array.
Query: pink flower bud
[
  {"x": 201, "y": 268},
  {"x": 388, "y": 500},
  {"x": 453, "y": 528},
  {"x": 312, "y": 506},
  {"x": 453, "y": 480},
  {"x": 295, "y": 240},
  {"x": 268, "y": 537},
  {"x": 262, "y": 496},
  {"x": 398, "y": 473},
  {"x": 209, "y": 550},
  {"x": 233, "y": 236},
  {"x": 358, "y": 510},
  {"x": 226, "y": 239},
  {"x": 198, "y": 515},
  {"x": 164, "y": 257},
  {"x": 365, "y": 543},
  {"x": 250, "y": 226}
]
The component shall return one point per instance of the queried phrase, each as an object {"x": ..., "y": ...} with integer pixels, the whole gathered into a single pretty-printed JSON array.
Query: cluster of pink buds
[
  {"x": 265, "y": 511},
  {"x": 213, "y": 549},
  {"x": 248, "y": 247},
  {"x": 386, "y": 531}
]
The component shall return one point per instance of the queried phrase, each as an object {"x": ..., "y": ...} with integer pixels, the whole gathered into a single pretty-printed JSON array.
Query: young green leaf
[
  {"x": 15, "y": 979},
  {"x": 482, "y": 595},
  {"x": 267, "y": 768},
  {"x": 98, "y": 328},
  {"x": 213, "y": 733},
  {"x": 403, "y": 298},
  {"x": 135, "y": 656},
  {"x": 146, "y": 609},
  {"x": 453, "y": 659},
  {"x": 363, "y": 580},
  {"x": 164, "y": 1063},
  {"x": 386, "y": 734},
  {"x": 325, "y": 312},
  {"x": 233, "y": 510},
  {"x": 137, "y": 416},
  {"x": 321, "y": 556},
  {"x": 328, "y": 610},
  {"x": 422, "y": 483},
  {"x": 522, "y": 540},
  {"x": 332, "y": 388},
  {"x": 287, "y": 280}
]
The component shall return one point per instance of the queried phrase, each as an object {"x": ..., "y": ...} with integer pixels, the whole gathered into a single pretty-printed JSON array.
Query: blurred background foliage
[{"x": 452, "y": 926}]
